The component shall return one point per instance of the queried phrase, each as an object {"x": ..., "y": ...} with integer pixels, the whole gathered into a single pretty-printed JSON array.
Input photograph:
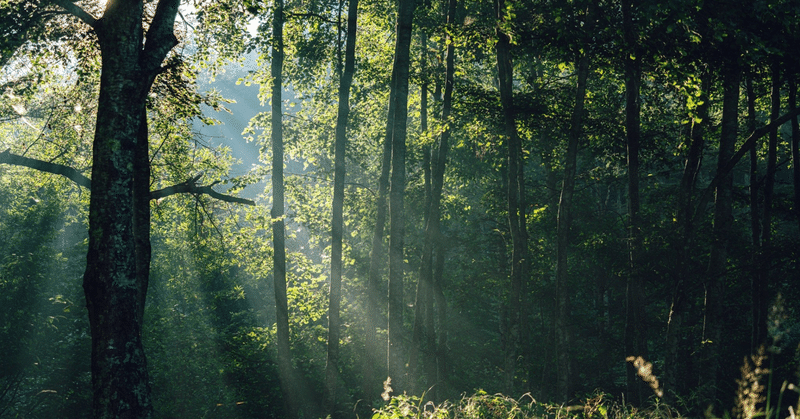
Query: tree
[
  {"x": 429, "y": 287},
  {"x": 760, "y": 280},
  {"x": 795, "y": 147},
  {"x": 277, "y": 213},
  {"x": 723, "y": 221},
  {"x": 563, "y": 288},
  {"x": 635, "y": 339},
  {"x": 398, "y": 128},
  {"x": 118, "y": 259},
  {"x": 346, "y": 79},
  {"x": 515, "y": 195}
]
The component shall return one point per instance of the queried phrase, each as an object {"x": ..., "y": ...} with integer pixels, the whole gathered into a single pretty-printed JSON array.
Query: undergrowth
[
  {"x": 497, "y": 406},
  {"x": 752, "y": 401}
]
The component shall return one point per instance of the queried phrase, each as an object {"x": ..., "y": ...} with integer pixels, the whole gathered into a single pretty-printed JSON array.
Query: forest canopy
[{"x": 409, "y": 208}]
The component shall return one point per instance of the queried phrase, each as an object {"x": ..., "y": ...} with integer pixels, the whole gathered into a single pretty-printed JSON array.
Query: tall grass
[
  {"x": 752, "y": 401},
  {"x": 497, "y": 406}
]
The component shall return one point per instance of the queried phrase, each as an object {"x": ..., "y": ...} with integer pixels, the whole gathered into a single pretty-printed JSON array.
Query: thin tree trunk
[
  {"x": 515, "y": 215},
  {"x": 755, "y": 225},
  {"x": 423, "y": 283},
  {"x": 564, "y": 383},
  {"x": 563, "y": 333},
  {"x": 433, "y": 224},
  {"x": 375, "y": 354},
  {"x": 760, "y": 280},
  {"x": 723, "y": 222},
  {"x": 673, "y": 364},
  {"x": 635, "y": 336},
  {"x": 337, "y": 222},
  {"x": 795, "y": 146},
  {"x": 396, "y": 349},
  {"x": 277, "y": 214},
  {"x": 439, "y": 318},
  {"x": 442, "y": 366}
]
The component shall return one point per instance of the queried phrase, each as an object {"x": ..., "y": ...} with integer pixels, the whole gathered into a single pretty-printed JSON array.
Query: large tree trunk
[
  {"x": 400, "y": 68},
  {"x": 635, "y": 336},
  {"x": 337, "y": 222},
  {"x": 285, "y": 370},
  {"x": 115, "y": 287},
  {"x": 723, "y": 222},
  {"x": 118, "y": 257}
]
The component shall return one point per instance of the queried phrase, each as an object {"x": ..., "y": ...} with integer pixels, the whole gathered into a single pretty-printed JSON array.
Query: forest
[{"x": 399, "y": 209}]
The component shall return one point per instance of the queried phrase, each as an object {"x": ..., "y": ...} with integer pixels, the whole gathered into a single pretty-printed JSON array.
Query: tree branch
[
  {"x": 161, "y": 36},
  {"x": 68, "y": 172},
  {"x": 77, "y": 11},
  {"x": 749, "y": 143},
  {"x": 190, "y": 187},
  {"x": 58, "y": 169}
]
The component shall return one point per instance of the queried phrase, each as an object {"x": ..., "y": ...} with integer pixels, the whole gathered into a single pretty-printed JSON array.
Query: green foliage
[
  {"x": 210, "y": 317},
  {"x": 43, "y": 329}
]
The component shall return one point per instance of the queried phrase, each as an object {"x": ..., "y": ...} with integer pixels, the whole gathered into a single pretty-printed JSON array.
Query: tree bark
[
  {"x": 402, "y": 60},
  {"x": 337, "y": 222}
]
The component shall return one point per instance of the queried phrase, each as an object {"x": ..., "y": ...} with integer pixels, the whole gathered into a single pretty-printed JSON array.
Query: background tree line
[{"x": 512, "y": 196}]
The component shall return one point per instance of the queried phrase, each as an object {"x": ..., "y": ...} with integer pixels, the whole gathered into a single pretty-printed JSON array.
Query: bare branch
[
  {"x": 68, "y": 172},
  {"x": 58, "y": 169},
  {"x": 190, "y": 187},
  {"x": 749, "y": 143},
  {"x": 77, "y": 11}
]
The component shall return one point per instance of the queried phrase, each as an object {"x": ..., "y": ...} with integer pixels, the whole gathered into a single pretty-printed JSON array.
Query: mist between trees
[{"x": 463, "y": 208}]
